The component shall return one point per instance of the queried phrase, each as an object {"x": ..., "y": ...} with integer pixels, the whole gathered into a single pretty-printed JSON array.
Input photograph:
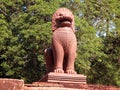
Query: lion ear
[
  {"x": 73, "y": 25},
  {"x": 54, "y": 27},
  {"x": 73, "y": 28}
]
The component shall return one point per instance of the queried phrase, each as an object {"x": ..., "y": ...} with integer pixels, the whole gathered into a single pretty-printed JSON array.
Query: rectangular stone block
[
  {"x": 64, "y": 78},
  {"x": 11, "y": 84}
]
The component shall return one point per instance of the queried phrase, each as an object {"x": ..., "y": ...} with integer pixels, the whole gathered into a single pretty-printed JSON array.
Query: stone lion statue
[{"x": 61, "y": 56}]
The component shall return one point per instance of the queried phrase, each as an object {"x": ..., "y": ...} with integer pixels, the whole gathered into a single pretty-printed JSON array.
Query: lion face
[{"x": 63, "y": 17}]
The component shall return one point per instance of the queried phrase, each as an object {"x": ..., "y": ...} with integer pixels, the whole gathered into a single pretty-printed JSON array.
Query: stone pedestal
[{"x": 64, "y": 78}]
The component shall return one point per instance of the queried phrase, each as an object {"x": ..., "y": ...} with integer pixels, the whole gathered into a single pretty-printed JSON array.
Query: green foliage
[
  {"x": 24, "y": 34},
  {"x": 95, "y": 22},
  {"x": 89, "y": 46},
  {"x": 25, "y": 31},
  {"x": 103, "y": 17}
]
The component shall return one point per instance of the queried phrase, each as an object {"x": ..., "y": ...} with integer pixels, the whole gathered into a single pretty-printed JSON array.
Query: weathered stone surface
[
  {"x": 15, "y": 84},
  {"x": 64, "y": 78},
  {"x": 11, "y": 84},
  {"x": 66, "y": 86},
  {"x": 49, "y": 88},
  {"x": 61, "y": 56}
]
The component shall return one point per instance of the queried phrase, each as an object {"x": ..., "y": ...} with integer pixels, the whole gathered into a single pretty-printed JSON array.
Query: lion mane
[{"x": 61, "y": 14}]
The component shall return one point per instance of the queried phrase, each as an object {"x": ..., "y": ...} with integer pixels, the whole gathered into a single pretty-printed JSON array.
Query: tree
[
  {"x": 26, "y": 33},
  {"x": 96, "y": 22},
  {"x": 103, "y": 16}
]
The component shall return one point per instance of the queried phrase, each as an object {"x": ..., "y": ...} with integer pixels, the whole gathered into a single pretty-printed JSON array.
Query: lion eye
[{"x": 61, "y": 14}]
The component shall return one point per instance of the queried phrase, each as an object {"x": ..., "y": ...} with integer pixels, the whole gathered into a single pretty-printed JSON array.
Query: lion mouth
[{"x": 64, "y": 21}]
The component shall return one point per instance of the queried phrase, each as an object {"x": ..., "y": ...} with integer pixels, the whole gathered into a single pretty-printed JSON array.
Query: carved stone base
[{"x": 64, "y": 78}]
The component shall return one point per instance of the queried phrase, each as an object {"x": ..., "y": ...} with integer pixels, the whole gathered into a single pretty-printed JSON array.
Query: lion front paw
[
  {"x": 58, "y": 71},
  {"x": 70, "y": 71}
]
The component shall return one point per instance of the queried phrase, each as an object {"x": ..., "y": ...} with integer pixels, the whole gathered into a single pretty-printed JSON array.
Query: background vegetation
[{"x": 25, "y": 31}]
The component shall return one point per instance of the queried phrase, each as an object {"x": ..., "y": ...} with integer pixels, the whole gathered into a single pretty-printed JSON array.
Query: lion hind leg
[{"x": 48, "y": 55}]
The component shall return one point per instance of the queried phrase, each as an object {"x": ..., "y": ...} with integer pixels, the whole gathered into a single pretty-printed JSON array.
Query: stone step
[{"x": 17, "y": 84}]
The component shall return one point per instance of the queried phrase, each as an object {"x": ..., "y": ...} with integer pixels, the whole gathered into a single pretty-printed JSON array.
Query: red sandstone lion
[{"x": 61, "y": 57}]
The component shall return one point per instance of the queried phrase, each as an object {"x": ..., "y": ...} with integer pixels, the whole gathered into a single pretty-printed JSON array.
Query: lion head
[{"x": 63, "y": 17}]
